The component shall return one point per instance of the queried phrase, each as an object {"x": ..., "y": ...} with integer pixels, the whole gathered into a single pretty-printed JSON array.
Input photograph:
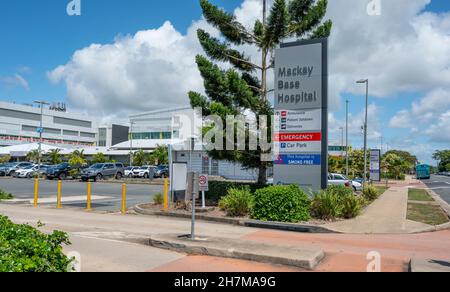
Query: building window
[{"x": 152, "y": 136}]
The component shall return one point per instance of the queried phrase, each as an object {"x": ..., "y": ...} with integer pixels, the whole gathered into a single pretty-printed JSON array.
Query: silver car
[{"x": 102, "y": 170}]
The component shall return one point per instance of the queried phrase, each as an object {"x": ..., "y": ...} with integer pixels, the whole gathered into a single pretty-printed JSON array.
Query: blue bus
[{"x": 423, "y": 171}]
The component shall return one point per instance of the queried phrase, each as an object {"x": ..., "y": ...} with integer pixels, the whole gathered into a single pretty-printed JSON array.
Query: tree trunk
[{"x": 262, "y": 176}]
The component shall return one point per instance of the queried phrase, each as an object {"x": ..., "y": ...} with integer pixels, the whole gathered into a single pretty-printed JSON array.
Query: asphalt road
[
  {"x": 440, "y": 185},
  {"x": 106, "y": 196}
]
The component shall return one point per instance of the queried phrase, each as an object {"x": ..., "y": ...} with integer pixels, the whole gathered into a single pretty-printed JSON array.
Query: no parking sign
[{"x": 203, "y": 182}]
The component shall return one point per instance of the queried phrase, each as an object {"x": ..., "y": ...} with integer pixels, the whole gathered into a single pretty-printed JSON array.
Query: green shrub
[
  {"x": 26, "y": 249},
  {"x": 282, "y": 204},
  {"x": 219, "y": 189},
  {"x": 5, "y": 196},
  {"x": 351, "y": 206},
  {"x": 370, "y": 193},
  {"x": 237, "y": 203},
  {"x": 336, "y": 202},
  {"x": 158, "y": 199},
  {"x": 326, "y": 205}
]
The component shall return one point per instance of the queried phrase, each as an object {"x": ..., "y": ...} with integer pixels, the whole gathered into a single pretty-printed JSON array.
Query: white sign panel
[
  {"x": 179, "y": 175},
  {"x": 375, "y": 163},
  {"x": 289, "y": 120},
  {"x": 298, "y": 147}
]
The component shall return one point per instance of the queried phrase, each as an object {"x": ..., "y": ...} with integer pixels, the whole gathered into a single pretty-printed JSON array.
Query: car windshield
[
  {"x": 97, "y": 166},
  {"x": 28, "y": 167},
  {"x": 143, "y": 168},
  {"x": 62, "y": 165}
]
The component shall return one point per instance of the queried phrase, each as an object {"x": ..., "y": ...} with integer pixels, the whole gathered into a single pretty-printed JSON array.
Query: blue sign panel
[
  {"x": 40, "y": 130},
  {"x": 298, "y": 159}
]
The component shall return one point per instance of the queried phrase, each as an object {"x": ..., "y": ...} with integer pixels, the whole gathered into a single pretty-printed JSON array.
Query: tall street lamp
[
  {"x": 365, "y": 81},
  {"x": 131, "y": 143},
  {"x": 346, "y": 136},
  {"x": 40, "y": 130}
]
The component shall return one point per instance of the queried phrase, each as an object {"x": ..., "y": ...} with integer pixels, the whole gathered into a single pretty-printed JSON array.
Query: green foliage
[
  {"x": 282, "y": 204},
  {"x": 54, "y": 157},
  {"x": 336, "y": 202},
  {"x": 77, "y": 158},
  {"x": 219, "y": 189},
  {"x": 5, "y": 196},
  {"x": 396, "y": 166},
  {"x": 140, "y": 158},
  {"x": 99, "y": 158},
  {"x": 25, "y": 249},
  {"x": 33, "y": 156},
  {"x": 444, "y": 159},
  {"x": 240, "y": 89},
  {"x": 158, "y": 199},
  {"x": 237, "y": 203},
  {"x": 370, "y": 193},
  {"x": 160, "y": 156},
  {"x": 5, "y": 159}
]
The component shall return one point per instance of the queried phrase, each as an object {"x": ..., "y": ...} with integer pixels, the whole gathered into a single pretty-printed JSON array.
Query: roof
[
  {"x": 24, "y": 149},
  {"x": 144, "y": 144}
]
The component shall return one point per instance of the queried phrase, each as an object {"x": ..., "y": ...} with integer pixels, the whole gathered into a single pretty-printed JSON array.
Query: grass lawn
[
  {"x": 419, "y": 195},
  {"x": 428, "y": 214},
  {"x": 381, "y": 190}
]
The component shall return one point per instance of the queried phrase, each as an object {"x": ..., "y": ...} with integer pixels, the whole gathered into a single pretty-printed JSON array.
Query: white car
[
  {"x": 128, "y": 171},
  {"x": 335, "y": 179},
  {"x": 357, "y": 187},
  {"x": 143, "y": 172},
  {"x": 26, "y": 172}
]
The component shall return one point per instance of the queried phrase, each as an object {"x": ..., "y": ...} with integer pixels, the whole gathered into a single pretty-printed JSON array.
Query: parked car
[
  {"x": 101, "y": 170},
  {"x": 26, "y": 172},
  {"x": 144, "y": 172},
  {"x": 10, "y": 168},
  {"x": 161, "y": 171},
  {"x": 357, "y": 186},
  {"x": 60, "y": 171},
  {"x": 335, "y": 179},
  {"x": 128, "y": 171}
]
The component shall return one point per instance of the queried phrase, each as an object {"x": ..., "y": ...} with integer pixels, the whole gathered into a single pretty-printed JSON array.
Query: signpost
[
  {"x": 301, "y": 114},
  {"x": 375, "y": 165},
  {"x": 203, "y": 183}
]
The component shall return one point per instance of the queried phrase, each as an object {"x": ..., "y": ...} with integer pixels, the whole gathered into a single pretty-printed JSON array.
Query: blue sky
[{"x": 38, "y": 36}]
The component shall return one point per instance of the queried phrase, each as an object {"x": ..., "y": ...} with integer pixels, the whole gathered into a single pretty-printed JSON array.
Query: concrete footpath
[{"x": 387, "y": 215}]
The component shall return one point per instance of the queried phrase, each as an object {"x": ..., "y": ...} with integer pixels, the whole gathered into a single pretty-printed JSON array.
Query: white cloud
[
  {"x": 14, "y": 81},
  {"x": 440, "y": 131},
  {"x": 401, "y": 120}
]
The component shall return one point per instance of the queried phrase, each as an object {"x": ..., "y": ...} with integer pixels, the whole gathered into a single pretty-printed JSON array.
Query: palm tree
[
  {"x": 76, "y": 158},
  {"x": 99, "y": 158},
  {"x": 160, "y": 155},
  {"x": 33, "y": 156},
  {"x": 139, "y": 158},
  {"x": 54, "y": 157}
]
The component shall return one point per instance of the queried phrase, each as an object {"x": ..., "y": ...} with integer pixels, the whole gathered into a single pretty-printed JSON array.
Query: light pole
[
  {"x": 41, "y": 105},
  {"x": 131, "y": 143},
  {"x": 365, "y": 81},
  {"x": 346, "y": 137},
  {"x": 342, "y": 141}
]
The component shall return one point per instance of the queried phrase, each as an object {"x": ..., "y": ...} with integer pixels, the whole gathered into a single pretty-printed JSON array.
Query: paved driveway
[{"x": 106, "y": 196}]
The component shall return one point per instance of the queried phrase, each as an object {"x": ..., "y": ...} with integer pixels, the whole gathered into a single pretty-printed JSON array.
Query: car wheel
[
  {"x": 130, "y": 176},
  {"x": 119, "y": 176},
  {"x": 98, "y": 177},
  {"x": 29, "y": 175},
  {"x": 146, "y": 176},
  {"x": 62, "y": 176},
  {"x": 354, "y": 188}
]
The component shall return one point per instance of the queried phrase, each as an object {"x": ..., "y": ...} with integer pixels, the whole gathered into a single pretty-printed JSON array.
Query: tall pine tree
[{"x": 243, "y": 89}]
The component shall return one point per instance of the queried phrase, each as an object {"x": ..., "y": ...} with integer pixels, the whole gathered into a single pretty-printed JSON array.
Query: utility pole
[
  {"x": 41, "y": 130},
  {"x": 131, "y": 143},
  {"x": 366, "y": 81},
  {"x": 346, "y": 137}
]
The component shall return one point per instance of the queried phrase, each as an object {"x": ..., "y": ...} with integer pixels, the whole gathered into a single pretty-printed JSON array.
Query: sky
[{"x": 126, "y": 56}]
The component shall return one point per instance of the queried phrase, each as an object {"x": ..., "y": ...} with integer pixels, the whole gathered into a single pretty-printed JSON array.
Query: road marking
[{"x": 63, "y": 200}]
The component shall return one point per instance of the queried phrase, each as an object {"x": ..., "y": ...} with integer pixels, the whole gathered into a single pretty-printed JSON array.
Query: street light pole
[
  {"x": 346, "y": 137},
  {"x": 131, "y": 143},
  {"x": 342, "y": 141},
  {"x": 41, "y": 105},
  {"x": 366, "y": 81}
]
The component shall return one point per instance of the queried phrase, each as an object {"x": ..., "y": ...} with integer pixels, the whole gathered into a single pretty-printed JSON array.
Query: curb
[
  {"x": 240, "y": 249},
  {"x": 301, "y": 228}
]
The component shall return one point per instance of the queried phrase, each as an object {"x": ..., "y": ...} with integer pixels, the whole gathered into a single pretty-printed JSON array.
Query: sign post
[
  {"x": 375, "y": 165},
  {"x": 300, "y": 142},
  {"x": 203, "y": 182}
]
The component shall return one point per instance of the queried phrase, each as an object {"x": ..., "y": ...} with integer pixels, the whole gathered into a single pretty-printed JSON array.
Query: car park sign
[{"x": 300, "y": 128}]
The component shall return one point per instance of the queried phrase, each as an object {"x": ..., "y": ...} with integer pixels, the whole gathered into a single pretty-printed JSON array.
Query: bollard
[
  {"x": 124, "y": 198},
  {"x": 166, "y": 194},
  {"x": 59, "y": 194},
  {"x": 36, "y": 192},
  {"x": 88, "y": 196}
]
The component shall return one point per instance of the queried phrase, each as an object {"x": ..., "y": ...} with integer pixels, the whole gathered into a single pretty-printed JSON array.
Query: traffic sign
[{"x": 203, "y": 182}]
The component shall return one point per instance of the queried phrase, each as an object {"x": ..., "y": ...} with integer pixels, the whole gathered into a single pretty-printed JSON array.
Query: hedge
[
  {"x": 219, "y": 189},
  {"x": 26, "y": 249}
]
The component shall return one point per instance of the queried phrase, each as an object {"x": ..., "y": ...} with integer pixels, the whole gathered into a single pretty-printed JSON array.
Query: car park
[
  {"x": 12, "y": 167},
  {"x": 60, "y": 171},
  {"x": 161, "y": 171},
  {"x": 335, "y": 179},
  {"x": 102, "y": 170},
  {"x": 144, "y": 172}
]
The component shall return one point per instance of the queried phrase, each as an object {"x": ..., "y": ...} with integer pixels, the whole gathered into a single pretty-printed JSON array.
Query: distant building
[
  {"x": 19, "y": 125},
  {"x": 111, "y": 134}
]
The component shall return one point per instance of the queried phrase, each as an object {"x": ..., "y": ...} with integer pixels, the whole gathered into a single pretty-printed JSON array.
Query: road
[
  {"x": 106, "y": 196},
  {"x": 440, "y": 185}
]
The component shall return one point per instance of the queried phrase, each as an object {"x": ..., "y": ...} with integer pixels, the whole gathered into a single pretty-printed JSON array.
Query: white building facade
[{"x": 19, "y": 125}]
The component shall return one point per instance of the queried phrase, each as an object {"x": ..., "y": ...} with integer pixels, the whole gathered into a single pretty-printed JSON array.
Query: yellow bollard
[
  {"x": 166, "y": 195},
  {"x": 124, "y": 198},
  {"x": 59, "y": 194},
  {"x": 88, "y": 196},
  {"x": 36, "y": 192}
]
